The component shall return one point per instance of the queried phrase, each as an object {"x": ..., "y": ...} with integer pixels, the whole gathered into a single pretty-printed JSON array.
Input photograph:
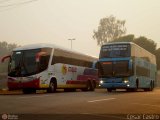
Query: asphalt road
[{"x": 95, "y": 105}]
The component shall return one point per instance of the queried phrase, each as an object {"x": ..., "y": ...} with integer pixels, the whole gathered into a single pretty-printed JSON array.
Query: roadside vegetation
[{"x": 111, "y": 29}]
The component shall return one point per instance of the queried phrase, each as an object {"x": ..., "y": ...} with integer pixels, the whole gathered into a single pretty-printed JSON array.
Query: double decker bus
[
  {"x": 46, "y": 66},
  {"x": 125, "y": 65}
]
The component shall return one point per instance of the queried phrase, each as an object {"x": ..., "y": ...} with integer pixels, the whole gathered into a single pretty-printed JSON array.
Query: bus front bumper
[
  {"x": 15, "y": 84},
  {"x": 114, "y": 85}
]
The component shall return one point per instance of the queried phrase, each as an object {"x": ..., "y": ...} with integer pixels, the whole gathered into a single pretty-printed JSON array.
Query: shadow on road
[{"x": 60, "y": 91}]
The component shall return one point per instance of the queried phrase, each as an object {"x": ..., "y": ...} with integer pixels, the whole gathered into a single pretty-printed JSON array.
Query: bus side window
[
  {"x": 133, "y": 69},
  {"x": 44, "y": 62}
]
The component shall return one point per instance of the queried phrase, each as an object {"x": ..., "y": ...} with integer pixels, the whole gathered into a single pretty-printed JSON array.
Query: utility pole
[{"x": 71, "y": 41}]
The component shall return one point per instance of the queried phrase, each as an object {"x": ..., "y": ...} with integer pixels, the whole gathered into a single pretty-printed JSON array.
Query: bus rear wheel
[
  {"x": 89, "y": 87},
  {"x": 52, "y": 87},
  {"x": 151, "y": 87},
  {"x": 137, "y": 85}
]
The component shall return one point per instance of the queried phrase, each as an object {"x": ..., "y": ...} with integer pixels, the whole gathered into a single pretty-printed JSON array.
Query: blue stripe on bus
[{"x": 113, "y": 59}]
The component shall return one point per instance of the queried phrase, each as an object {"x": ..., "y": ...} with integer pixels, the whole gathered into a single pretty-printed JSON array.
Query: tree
[
  {"x": 5, "y": 49},
  {"x": 109, "y": 28},
  {"x": 126, "y": 38},
  {"x": 146, "y": 43},
  {"x": 157, "y": 53}
]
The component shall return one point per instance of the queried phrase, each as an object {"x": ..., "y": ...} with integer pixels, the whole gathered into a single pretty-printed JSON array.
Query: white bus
[{"x": 46, "y": 66}]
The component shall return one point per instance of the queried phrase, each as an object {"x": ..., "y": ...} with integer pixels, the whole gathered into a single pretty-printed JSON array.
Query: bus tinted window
[
  {"x": 115, "y": 50},
  {"x": 23, "y": 63},
  {"x": 65, "y": 57},
  {"x": 113, "y": 69}
]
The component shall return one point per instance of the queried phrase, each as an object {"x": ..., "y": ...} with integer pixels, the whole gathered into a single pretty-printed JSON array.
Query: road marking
[
  {"x": 102, "y": 100},
  {"x": 147, "y": 105}
]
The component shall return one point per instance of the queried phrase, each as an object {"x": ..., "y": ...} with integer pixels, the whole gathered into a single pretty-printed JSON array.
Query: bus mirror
[
  {"x": 97, "y": 65},
  {"x": 94, "y": 66},
  {"x": 39, "y": 55},
  {"x": 5, "y": 57}
]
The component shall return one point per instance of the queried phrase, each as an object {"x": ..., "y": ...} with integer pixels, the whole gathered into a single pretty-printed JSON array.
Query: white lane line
[
  {"x": 147, "y": 105},
  {"x": 34, "y": 96},
  {"x": 101, "y": 100}
]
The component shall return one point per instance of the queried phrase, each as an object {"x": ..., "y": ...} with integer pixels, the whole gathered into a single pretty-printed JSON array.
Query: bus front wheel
[
  {"x": 109, "y": 89},
  {"x": 52, "y": 87},
  {"x": 89, "y": 86}
]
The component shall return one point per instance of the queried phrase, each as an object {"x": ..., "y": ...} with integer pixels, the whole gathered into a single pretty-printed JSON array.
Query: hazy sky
[{"x": 56, "y": 21}]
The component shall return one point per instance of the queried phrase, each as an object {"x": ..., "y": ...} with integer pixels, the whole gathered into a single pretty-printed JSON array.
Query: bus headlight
[
  {"x": 101, "y": 82},
  {"x": 125, "y": 81}
]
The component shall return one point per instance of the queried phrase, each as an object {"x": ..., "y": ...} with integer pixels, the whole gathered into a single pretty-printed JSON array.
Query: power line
[
  {"x": 17, "y": 4},
  {"x": 14, "y": 5}
]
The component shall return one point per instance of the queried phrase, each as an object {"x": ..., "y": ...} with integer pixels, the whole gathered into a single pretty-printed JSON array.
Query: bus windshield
[
  {"x": 115, "y": 50},
  {"x": 113, "y": 69},
  {"x": 23, "y": 63}
]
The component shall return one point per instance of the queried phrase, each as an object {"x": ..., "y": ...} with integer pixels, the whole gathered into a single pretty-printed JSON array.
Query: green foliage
[
  {"x": 109, "y": 28},
  {"x": 127, "y": 38},
  {"x": 146, "y": 43},
  {"x": 157, "y": 53},
  {"x": 5, "y": 49}
]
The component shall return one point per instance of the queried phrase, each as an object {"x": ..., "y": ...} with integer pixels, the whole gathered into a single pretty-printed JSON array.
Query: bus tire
[
  {"x": 52, "y": 86},
  {"x": 109, "y": 89},
  {"x": 89, "y": 86},
  {"x": 137, "y": 85},
  {"x": 92, "y": 88},
  {"x": 94, "y": 84},
  {"x": 151, "y": 86}
]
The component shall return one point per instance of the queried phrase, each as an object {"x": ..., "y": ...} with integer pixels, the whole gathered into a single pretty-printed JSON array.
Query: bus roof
[
  {"x": 119, "y": 43},
  {"x": 127, "y": 43},
  {"x": 47, "y": 45},
  {"x": 35, "y": 46},
  {"x": 151, "y": 56}
]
